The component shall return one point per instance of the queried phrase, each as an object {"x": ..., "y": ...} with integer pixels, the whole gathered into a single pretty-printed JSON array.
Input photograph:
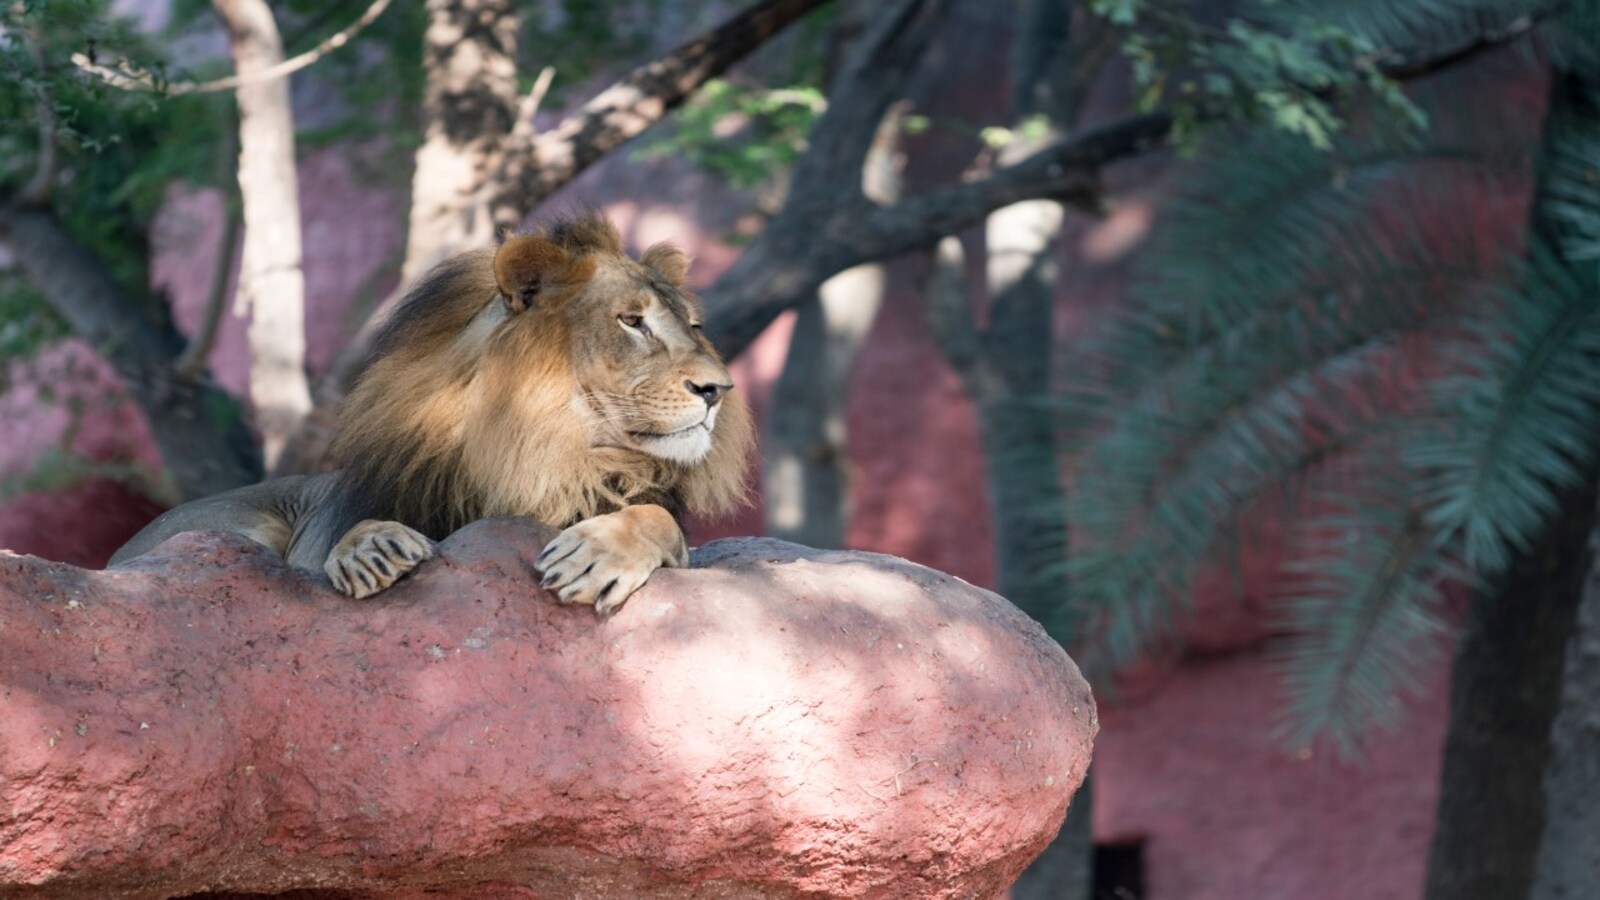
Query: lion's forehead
[{"x": 629, "y": 280}]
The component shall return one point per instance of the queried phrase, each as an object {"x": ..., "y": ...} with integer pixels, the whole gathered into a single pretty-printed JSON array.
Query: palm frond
[
  {"x": 1363, "y": 606},
  {"x": 1251, "y": 237},
  {"x": 1411, "y": 26},
  {"x": 1508, "y": 433},
  {"x": 1198, "y": 444}
]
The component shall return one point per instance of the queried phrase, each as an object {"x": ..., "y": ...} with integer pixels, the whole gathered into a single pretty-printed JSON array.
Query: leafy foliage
[
  {"x": 117, "y": 152},
  {"x": 1295, "y": 65},
  {"x": 744, "y": 135},
  {"x": 1352, "y": 338}
]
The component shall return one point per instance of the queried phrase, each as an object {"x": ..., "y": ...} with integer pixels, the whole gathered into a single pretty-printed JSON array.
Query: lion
[{"x": 554, "y": 377}]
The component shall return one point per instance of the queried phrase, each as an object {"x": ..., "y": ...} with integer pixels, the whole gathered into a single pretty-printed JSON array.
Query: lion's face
[
  {"x": 555, "y": 378},
  {"x": 650, "y": 380},
  {"x": 647, "y": 379}
]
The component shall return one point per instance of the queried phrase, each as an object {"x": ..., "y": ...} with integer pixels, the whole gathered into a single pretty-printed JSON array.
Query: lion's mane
[{"x": 453, "y": 419}]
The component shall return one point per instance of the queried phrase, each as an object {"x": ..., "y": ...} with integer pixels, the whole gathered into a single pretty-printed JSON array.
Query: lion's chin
[{"x": 686, "y": 446}]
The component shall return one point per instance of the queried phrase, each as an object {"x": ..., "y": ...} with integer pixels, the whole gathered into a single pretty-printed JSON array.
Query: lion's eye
[
  {"x": 696, "y": 326},
  {"x": 631, "y": 320}
]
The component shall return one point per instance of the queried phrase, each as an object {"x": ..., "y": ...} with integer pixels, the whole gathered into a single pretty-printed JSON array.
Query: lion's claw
[
  {"x": 373, "y": 555},
  {"x": 601, "y": 561}
]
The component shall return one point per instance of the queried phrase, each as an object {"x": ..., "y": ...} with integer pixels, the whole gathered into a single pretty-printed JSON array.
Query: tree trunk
[
  {"x": 197, "y": 427},
  {"x": 1006, "y": 370},
  {"x": 806, "y": 483},
  {"x": 1503, "y": 694},
  {"x": 1506, "y": 684},
  {"x": 271, "y": 283},
  {"x": 806, "y": 475},
  {"x": 1026, "y": 495},
  {"x": 1568, "y": 864},
  {"x": 469, "y": 58}
]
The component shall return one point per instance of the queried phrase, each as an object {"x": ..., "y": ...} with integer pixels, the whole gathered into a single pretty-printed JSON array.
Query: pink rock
[{"x": 777, "y": 722}]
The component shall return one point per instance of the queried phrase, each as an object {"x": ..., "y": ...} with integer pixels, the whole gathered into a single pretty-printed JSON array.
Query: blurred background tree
[{"x": 1345, "y": 328}]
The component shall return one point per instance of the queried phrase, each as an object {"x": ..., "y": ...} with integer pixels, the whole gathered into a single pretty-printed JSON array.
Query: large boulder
[{"x": 776, "y": 722}]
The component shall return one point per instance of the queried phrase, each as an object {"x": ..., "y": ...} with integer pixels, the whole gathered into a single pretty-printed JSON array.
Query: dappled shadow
[{"x": 829, "y": 711}]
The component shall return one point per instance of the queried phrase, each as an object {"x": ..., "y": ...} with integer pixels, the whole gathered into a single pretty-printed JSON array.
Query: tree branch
[
  {"x": 136, "y": 80},
  {"x": 874, "y": 77},
  {"x": 536, "y": 166},
  {"x": 192, "y": 364},
  {"x": 203, "y": 439},
  {"x": 523, "y": 128},
  {"x": 1067, "y": 170},
  {"x": 820, "y": 232}
]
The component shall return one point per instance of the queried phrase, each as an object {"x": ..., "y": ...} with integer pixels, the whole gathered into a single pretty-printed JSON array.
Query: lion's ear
[
  {"x": 669, "y": 261},
  {"x": 527, "y": 264}
]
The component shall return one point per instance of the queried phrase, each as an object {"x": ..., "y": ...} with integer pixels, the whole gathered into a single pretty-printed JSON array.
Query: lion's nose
[{"x": 710, "y": 393}]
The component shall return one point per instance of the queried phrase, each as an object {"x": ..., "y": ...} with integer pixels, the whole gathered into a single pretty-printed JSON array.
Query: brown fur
[
  {"x": 466, "y": 412},
  {"x": 554, "y": 378}
]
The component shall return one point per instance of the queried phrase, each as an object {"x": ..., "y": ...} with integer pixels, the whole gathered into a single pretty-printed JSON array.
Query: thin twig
[
  {"x": 191, "y": 363},
  {"x": 529, "y": 107},
  {"x": 137, "y": 80}
]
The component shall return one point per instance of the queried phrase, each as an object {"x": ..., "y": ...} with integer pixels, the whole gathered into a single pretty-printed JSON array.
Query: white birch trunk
[{"x": 271, "y": 283}]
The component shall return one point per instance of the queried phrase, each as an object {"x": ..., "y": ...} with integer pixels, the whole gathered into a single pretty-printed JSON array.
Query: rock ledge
[{"x": 777, "y": 722}]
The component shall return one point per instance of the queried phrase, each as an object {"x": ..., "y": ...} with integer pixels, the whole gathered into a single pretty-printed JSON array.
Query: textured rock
[{"x": 781, "y": 722}]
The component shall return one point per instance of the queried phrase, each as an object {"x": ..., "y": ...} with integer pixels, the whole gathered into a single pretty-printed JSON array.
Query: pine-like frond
[
  {"x": 1362, "y": 604},
  {"x": 1522, "y": 421},
  {"x": 1190, "y": 422},
  {"x": 1508, "y": 433},
  {"x": 1250, "y": 237},
  {"x": 1409, "y": 26},
  {"x": 1371, "y": 328}
]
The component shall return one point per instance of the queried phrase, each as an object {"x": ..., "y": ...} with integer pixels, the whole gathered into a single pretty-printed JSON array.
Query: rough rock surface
[{"x": 778, "y": 722}]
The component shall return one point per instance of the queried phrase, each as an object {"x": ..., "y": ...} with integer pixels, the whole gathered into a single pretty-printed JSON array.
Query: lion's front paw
[
  {"x": 603, "y": 560},
  {"x": 373, "y": 555}
]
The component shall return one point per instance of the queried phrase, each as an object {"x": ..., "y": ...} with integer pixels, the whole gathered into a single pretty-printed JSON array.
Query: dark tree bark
[
  {"x": 1507, "y": 680},
  {"x": 806, "y": 471},
  {"x": 1503, "y": 695},
  {"x": 1568, "y": 864},
  {"x": 199, "y": 430}
]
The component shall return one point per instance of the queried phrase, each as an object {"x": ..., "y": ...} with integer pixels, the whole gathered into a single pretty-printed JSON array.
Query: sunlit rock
[{"x": 777, "y": 722}]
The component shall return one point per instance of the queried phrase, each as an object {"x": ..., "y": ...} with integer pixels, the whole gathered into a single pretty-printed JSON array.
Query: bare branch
[
  {"x": 529, "y": 107},
  {"x": 130, "y": 79},
  {"x": 1402, "y": 69},
  {"x": 809, "y": 242},
  {"x": 535, "y": 167},
  {"x": 821, "y": 231},
  {"x": 192, "y": 364},
  {"x": 874, "y": 77}
]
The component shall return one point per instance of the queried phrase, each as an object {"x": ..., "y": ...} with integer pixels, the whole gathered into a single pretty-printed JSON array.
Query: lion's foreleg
[
  {"x": 603, "y": 560},
  {"x": 373, "y": 555}
]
